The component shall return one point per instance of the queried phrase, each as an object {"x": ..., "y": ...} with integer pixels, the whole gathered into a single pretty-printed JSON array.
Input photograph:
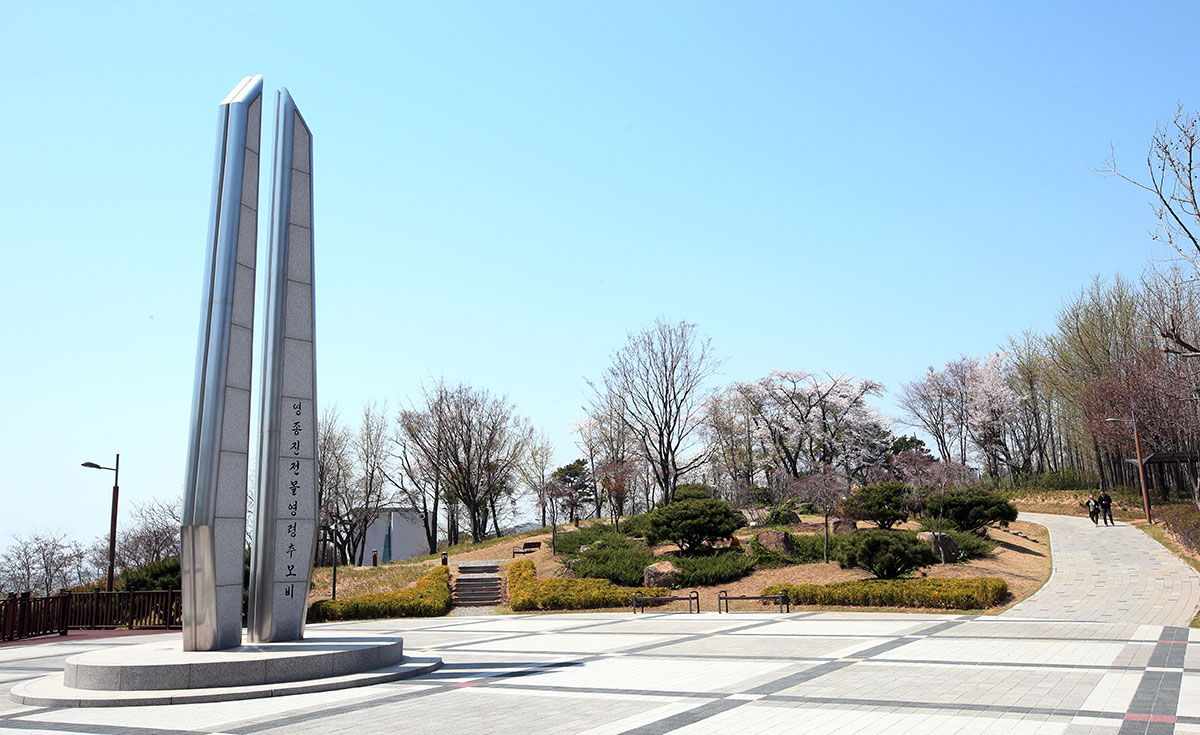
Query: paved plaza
[{"x": 1104, "y": 647}]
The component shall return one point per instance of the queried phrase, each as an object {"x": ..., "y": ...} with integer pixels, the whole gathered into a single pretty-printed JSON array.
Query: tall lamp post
[
  {"x": 330, "y": 534},
  {"x": 1137, "y": 448},
  {"x": 112, "y": 528}
]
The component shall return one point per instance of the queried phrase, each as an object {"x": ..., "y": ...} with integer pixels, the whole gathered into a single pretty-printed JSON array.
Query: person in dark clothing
[
  {"x": 1105, "y": 501},
  {"x": 1093, "y": 507}
]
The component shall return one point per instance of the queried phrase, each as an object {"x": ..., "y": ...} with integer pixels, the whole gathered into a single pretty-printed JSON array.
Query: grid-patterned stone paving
[{"x": 1059, "y": 669}]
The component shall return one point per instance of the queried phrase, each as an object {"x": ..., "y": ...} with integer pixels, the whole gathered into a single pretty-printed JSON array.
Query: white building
[{"x": 397, "y": 534}]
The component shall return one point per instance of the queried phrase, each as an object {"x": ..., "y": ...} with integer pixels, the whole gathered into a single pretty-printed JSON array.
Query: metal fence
[{"x": 23, "y": 616}]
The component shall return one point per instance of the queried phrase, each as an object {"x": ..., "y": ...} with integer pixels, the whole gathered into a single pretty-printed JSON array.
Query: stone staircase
[{"x": 477, "y": 584}]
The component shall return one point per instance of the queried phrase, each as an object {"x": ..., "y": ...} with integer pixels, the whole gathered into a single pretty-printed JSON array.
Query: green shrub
[
  {"x": 429, "y": 597},
  {"x": 693, "y": 524},
  {"x": 156, "y": 575},
  {"x": 597, "y": 535},
  {"x": 970, "y": 509},
  {"x": 782, "y": 516},
  {"x": 527, "y": 592},
  {"x": 638, "y": 525},
  {"x": 705, "y": 571},
  {"x": 971, "y": 545},
  {"x": 692, "y": 491},
  {"x": 761, "y": 497},
  {"x": 807, "y": 548},
  {"x": 884, "y": 504},
  {"x": 886, "y": 554},
  {"x": 947, "y": 594},
  {"x": 617, "y": 565},
  {"x": 1183, "y": 521}
]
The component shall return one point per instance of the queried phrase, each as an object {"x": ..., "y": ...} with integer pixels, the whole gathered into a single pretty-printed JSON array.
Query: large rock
[
  {"x": 941, "y": 542},
  {"x": 776, "y": 541},
  {"x": 660, "y": 574},
  {"x": 843, "y": 526}
]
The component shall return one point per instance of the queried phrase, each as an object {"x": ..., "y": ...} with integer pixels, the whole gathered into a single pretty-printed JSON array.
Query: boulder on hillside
[
  {"x": 941, "y": 542},
  {"x": 660, "y": 574},
  {"x": 843, "y": 526},
  {"x": 776, "y": 541}
]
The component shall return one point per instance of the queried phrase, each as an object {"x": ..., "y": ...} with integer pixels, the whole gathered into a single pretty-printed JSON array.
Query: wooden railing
[{"x": 23, "y": 616}]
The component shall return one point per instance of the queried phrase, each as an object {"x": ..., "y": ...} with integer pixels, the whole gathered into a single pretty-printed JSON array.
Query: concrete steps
[{"x": 478, "y": 584}]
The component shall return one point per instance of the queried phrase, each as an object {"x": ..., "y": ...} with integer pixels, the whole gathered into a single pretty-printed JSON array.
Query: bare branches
[{"x": 656, "y": 386}]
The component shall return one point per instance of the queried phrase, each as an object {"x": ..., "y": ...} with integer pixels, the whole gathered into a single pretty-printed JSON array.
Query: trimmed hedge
[
  {"x": 527, "y": 592},
  {"x": 947, "y": 594},
  {"x": 429, "y": 597}
]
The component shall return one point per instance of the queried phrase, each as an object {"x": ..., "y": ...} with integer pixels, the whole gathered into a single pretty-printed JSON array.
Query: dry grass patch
[{"x": 353, "y": 581}]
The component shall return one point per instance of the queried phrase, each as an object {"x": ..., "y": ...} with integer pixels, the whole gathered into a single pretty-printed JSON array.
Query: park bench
[
  {"x": 693, "y": 601},
  {"x": 781, "y": 599},
  {"x": 526, "y": 548}
]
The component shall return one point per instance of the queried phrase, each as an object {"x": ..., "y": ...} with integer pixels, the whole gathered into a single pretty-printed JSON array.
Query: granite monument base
[{"x": 163, "y": 673}]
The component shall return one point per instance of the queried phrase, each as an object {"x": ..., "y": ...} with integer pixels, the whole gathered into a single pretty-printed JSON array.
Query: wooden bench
[
  {"x": 526, "y": 548},
  {"x": 693, "y": 601},
  {"x": 781, "y": 599}
]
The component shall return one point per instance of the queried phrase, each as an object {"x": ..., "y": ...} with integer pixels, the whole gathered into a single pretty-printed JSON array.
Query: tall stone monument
[
  {"x": 214, "y": 509},
  {"x": 286, "y": 510},
  {"x": 214, "y": 501}
]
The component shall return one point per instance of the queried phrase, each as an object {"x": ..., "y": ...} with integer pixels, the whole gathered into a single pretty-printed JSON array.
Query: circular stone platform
[{"x": 163, "y": 673}]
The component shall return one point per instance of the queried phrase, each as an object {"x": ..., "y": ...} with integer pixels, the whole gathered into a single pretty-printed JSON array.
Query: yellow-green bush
[
  {"x": 949, "y": 594},
  {"x": 429, "y": 597},
  {"x": 527, "y": 592}
]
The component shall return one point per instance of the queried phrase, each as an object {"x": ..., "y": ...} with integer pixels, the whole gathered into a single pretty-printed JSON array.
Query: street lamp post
[
  {"x": 112, "y": 528},
  {"x": 1137, "y": 448},
  {"x": 329, "y": 534}
]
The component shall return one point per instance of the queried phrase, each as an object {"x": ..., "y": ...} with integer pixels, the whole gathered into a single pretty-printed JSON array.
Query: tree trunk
[{"x": 826, "y": 537}]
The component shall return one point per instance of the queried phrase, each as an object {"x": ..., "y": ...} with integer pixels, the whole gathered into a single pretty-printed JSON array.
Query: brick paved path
[
  {"x": 1114, "y": 573},
  {"x": 1052, "y": 668}
]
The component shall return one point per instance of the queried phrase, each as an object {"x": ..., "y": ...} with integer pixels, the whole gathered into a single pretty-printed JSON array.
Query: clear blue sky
[{"x": 503, "y": 190}]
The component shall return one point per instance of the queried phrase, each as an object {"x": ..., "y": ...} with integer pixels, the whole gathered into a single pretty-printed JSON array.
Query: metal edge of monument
[
  {"x": 286, "y": 519},
  {"x": 214, "y": 505}
]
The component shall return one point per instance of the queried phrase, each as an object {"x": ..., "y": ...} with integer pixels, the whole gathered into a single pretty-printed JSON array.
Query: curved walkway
[{"x": 1114, "y": 574}]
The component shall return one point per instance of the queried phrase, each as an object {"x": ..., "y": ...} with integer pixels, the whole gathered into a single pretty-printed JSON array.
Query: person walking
[
  {"x": 1105, "y": 501},
  {"x": 1093, "y": 507}
]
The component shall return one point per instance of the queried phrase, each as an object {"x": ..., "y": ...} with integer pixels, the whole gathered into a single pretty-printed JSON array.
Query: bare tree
[
  {"x": 825, "y": 488},
  {"x": 152, "y": 535},
  {"x": 927, "y": 406},
  {"x": 43, "y": 563},
  {"x": 1172, "y": 168},
  {"x": 535, "y": 472},
  {"x": 657, "y": 382},
  {"x": 420, "y": 446},
  {"x": 352, "y": 479},
  {"x": 730, "y": 432},
  {"x": 472, "y": 444},
  {"x": 334, "y": 477}
]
